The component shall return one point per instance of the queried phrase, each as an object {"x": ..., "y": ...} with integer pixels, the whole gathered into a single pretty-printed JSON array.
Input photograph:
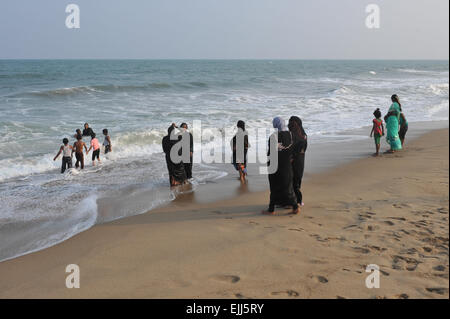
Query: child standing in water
[
  {"x": 78, "y": 149},
  {"x": 377, "y": 130},
  {"x": 67, "y": 151},
  {"x": 95, "y": 145},
  {"x": 239, "y": 146},
  {"x": 107, "y": 141}
]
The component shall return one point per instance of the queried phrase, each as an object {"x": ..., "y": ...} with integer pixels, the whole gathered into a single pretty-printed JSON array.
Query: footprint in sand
[
  {"x": 439, "y": 268},
  {"x": 388, "y": 222},
  {"x": 371, "y": 227},
  {"x": 227, "y": 278},
  {"x": 401, "y": 206},
  {"x": 439, "y": 290},
  {"x": 427, "y": 249},
  {"x": 289, "y": 293},
  {"x": 320, "y": 279},
  {"x": 362, "y": 250},
  {"x": 401, "y": 262},
  {"x": 398, "y": 218},
  {"x": 296, "y": 229}
]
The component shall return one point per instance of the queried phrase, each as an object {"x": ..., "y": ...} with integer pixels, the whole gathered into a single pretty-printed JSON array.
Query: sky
[{"x": 224, "y": 29}]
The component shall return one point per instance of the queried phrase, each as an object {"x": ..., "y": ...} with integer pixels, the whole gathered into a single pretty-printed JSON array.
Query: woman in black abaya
[
  {"x": 177, "y": 173},
  {"x": 281, "y": 190},
  {"x": 299, "y": 145}
]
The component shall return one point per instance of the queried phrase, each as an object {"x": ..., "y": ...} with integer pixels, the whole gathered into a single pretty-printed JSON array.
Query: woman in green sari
[{"x": 392, "y": 124}]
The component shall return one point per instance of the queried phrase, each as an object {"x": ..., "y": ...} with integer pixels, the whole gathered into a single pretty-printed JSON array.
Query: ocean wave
[
  {"x": 439, "y": 89},
  {"x": 421, "y": 72},
  {"x": 22, "y": 76},
  {"x": 102, "y": 89}
]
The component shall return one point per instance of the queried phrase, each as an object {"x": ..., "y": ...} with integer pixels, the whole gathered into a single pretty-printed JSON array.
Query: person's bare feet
[
  {"x": 267, "y": 212},
  {"x": 295, "y": 211}
]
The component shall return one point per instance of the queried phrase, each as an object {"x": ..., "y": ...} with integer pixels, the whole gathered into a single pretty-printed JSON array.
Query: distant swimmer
[
  {"x": 67, "y": 151},
  {"x": 107, "y": 141},
  {"x": 87, "y": 130},
  {"x": 78, "y": 149},
  {"x": 95, "y": 147}
]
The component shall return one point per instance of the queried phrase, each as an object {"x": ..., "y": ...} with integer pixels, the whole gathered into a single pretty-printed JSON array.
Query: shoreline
[
  {"x": 322, "y": 155},
  {"x": 111, "y": 254}
]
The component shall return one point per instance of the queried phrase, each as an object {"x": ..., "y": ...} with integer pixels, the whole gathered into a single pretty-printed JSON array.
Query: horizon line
[{"x": 232, "y": 59}]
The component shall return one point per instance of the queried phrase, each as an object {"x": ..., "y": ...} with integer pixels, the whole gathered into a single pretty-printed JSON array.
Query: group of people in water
[
  {"x": 77, "y": 148},
  {"x": 292, "y": 141}
]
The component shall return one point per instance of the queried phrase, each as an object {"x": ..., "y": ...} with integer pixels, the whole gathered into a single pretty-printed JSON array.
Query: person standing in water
[
  {"x": 78, "y": 149},
  {"x": 280, "y": 181},
  {"x": 377, "y": 130},
  {"x": 87, "y": 130},
  {"x": 187, "y": 134},
  {"x": 107, "y": 141},
  {"x": 77, "y": 132},
  {"x": 177, "y": 174},
  {"x": 299, "y": 145},
  {"x": 67, "y": 151},
  {"x": 95, "y": 145},
  {"x": 392, "y": 119},
  {"x": 239, "y": 146}
]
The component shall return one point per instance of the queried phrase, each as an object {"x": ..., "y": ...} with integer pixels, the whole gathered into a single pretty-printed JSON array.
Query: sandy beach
[{"x": 391, "y": 211}]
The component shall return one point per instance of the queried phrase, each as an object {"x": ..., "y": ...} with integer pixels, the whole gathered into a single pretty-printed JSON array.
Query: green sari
[{"x": 392, "y": 127}]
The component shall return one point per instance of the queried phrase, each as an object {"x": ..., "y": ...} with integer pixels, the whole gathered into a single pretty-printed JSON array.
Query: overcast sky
[{"x": 225, "y": 29}]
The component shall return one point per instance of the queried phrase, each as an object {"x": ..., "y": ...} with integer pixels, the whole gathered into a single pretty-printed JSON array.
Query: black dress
[
  {"x": 281, "y": 189},
  {"x": 237, "y": 158},
  {"x": 298, "y": 165},
  {"x": 188, "y": 166},
  {"x": 176, "y": 170}
]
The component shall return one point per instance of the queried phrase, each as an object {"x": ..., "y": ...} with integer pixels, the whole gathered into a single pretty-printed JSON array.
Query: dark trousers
[
  {"x": 188, "y": 169},
  {"x": 80, "y": 160},
  {"x": 66, "y": 163},
  {"x": 298, "y": 167}
]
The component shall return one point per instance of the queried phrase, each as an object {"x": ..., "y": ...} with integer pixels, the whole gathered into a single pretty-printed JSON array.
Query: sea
[{"x": 44, "y": 101}]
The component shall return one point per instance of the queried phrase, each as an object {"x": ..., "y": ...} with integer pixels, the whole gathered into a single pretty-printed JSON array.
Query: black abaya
[
  {"x": 298, "y": 165},
  {"x": 281, "y": 188},
  {"x": 177, "y": 172}
]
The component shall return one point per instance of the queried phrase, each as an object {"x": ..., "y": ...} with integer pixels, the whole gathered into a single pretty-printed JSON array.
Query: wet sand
[{"x": 391, "y": 211}]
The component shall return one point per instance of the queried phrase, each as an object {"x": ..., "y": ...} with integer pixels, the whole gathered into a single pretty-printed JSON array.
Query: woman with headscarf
[
  {"x": 280, "y": 181},
  {"x": 299, "y": 145},
  {"x": 177, "y": 173},
  {"x": 392, "y": 120},
  {"x": 239, "y": 146}
]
